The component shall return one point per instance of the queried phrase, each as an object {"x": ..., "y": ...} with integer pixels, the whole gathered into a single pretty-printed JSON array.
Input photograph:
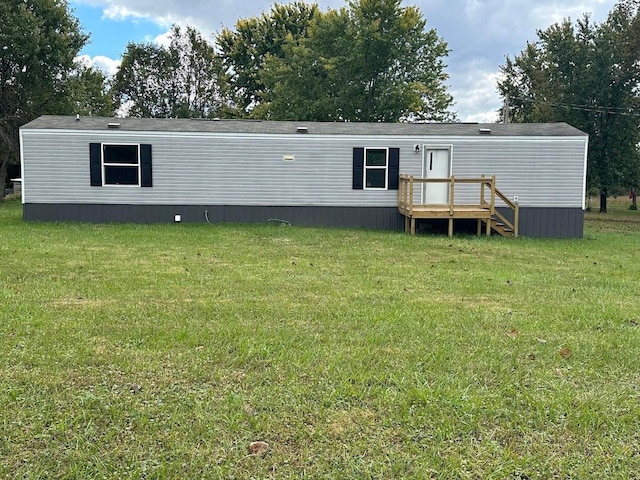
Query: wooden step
[{"x": 501, "y": 228}]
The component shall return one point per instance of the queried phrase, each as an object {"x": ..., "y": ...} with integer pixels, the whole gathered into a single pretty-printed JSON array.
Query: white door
[{"x": 435, "y": 164}]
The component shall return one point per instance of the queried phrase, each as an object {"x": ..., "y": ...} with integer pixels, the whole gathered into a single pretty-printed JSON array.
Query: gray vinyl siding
[
  {"x": 557, "y": 222},
  {"x": 379, "y": 218},
  {"x": 541, "y": 172},
  {"x": 248, "y": 169},
  {"x": 206, "y": 170},
  {"x": 534, "y": 222}
]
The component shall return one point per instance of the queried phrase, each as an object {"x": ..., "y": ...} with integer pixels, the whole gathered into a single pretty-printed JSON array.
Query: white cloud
[
  {"x": 557, "y": 11},
  {"x": 164, "y": 39},
  {"x": 84, "y": 60},
  {"x": 122, "y": 13},
  {"x": 107, "y": 65},
  {"x": 207, "y": 16},
  {"x": 117, "y": 12},
  {"x": 475, "y": 93}
]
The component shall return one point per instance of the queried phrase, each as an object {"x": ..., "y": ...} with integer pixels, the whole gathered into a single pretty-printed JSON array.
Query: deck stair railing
[{"x": 410, "y": 205}]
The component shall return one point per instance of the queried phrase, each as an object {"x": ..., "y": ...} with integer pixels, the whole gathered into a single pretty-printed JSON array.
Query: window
[
  {"x": 376, "y": 168},
  {"x": 120, "y": 164}
]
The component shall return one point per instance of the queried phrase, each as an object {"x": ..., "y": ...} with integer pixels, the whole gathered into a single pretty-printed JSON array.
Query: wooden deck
[{"x": 484, "y": 211}]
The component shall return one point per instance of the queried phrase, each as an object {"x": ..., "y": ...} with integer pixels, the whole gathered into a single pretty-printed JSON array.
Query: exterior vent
[
  {"x": 113, "y": 125},
  {"x": 485, "y": 131},
  {"x": 302, "y": 130}
]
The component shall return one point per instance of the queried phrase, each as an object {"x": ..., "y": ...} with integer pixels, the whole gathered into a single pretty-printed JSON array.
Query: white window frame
[
  {"x": 130, "y": 165},
  {"x": 385, "y": 168}
]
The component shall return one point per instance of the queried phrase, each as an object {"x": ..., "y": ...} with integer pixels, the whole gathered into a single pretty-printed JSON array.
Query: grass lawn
[{"x": 163, "y": 351}]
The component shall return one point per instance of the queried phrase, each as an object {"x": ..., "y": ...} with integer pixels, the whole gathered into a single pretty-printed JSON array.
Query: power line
[{"x": 584, "y": 108}]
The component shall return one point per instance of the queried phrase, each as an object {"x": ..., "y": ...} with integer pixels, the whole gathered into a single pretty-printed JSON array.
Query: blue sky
[
  {"x": 480, "y": 33},
  {"x": 110, "y": 36}
]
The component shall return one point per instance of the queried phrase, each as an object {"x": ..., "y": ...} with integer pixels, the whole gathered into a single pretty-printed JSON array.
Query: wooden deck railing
[
  {"x": 514, "y": 206},
  {"x": 408, "y": 203}
]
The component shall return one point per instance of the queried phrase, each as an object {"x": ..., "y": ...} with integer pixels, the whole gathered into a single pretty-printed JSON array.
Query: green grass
[{"x": 162, "y": 351}]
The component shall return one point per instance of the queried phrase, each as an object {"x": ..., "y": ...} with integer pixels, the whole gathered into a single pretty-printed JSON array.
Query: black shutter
[
  {"x": 358, "y": 168},
  {"x": 394, "y": 168},
  {"x": 95, "y": 164},
  {"x": 145, "y": 166}
]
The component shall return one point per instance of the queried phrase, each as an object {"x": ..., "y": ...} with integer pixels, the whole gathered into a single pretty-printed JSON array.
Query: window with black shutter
[
  {"x": 376, "y": 168},
  {"x": 120, "y": 164}
]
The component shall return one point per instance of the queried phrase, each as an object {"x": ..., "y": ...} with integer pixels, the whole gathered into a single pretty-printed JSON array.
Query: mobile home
[{"x": 94, "y": 169}]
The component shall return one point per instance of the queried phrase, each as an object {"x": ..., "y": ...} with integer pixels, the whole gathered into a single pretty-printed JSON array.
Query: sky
[{"x": 479, "y": 33}]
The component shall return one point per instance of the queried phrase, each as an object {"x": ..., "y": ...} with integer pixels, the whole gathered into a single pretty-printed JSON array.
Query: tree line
[
  {"x": 588, "y": 75},
  {"x": 373, "y": 60},
  {"x": 370, "y": 61}
]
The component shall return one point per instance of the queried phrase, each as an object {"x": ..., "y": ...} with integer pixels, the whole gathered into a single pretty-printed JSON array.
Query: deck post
[
  {"x": 413, "y": 226},
  {"x": 405, "y": 192},
  {"x": 516, "y": 220},
  {"x": 493, "y": 195},
  {"x": 411, "y": 195},
  {"x": 479, "y": 227},
  {"x": 492, "y": 207},
  {"x": 451, "y": 194},
  {"x": 450, "y": 227},
  {"x": 482, "y": 190}
]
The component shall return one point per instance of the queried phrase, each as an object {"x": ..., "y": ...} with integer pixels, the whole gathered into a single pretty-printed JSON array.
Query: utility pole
[{"x": 505, "y": 109}]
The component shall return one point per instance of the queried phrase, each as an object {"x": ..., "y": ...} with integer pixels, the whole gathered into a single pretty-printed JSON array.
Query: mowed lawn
[{"x": 163, "y": 351}]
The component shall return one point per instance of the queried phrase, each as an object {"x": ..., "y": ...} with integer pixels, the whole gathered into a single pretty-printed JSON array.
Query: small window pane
[
  {"x": 120, "y": 175},
  {"x": 376, "y": 178},
  {"x": 121, "y": 154},
  {"x": 376, "y": 158}
]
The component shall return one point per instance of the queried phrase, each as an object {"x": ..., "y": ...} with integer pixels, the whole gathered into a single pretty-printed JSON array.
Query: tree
[
  {"x": 244, "y": 51},
  {"x": 586, "y": 75},
  {"x": 396, "y": 63},
  {"x": 302, "y": 81},
  {"x": 372, "y": 61},
  {"x": 142, "y": 86},
  {"x": 88, "y": 93},
  {"x": 185, "y": 79},
  {"x": 39, "y": 40}
]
